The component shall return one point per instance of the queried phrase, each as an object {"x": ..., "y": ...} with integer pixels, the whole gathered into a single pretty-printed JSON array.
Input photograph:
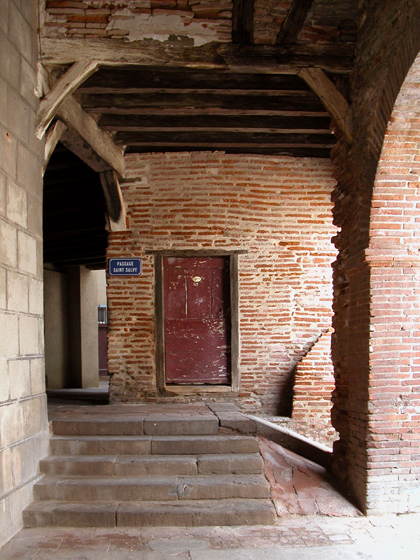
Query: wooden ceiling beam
[
  {"x": 332, "y": 99},
  {"x": 64, "y": 87},
  {"x": 131, "y": 103},
  {"x": 259, "y": 59},
  {"x": 222, "y": 123},
  {"x": 215, "y": 137},
  {"x": 243, "y": 22},
  {"x": 293, "y": 22}
]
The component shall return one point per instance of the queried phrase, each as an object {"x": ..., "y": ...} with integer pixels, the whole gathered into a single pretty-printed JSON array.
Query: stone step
[
  {"x": 156, "y": 445},
  {"x": 151, "y": 465},
  {"x": 164, "y": 424},
  {"x": 178, "y": 513},
  {"x": 121, "y": 489}
]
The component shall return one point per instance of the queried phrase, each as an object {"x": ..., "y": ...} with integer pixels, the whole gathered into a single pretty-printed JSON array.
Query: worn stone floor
[
  {"x": 293, "y": 538},
  {"x": 314, "y": 521}
]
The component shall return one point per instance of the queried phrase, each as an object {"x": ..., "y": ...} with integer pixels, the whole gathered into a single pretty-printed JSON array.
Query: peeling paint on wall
[{"x": 161, "y": 26}]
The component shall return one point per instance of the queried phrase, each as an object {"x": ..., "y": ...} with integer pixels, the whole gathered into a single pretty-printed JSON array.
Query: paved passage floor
[
  {"x": 314, "y": 521},
  {"x": 293, "y": 538}
]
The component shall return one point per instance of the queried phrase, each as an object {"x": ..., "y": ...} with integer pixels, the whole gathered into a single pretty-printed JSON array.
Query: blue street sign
[{"x": 124, "y": 267}]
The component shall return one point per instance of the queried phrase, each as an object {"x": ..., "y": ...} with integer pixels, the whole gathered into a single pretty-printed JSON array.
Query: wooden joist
[
  {"x": 84, "y": 138},
  {"x": 223, "y": 123},
  {"x": 207, "y": 103},
  {"x": 243, "y": 21},
  {"x": 64, "y": 87},
  {"x": 293, "y": 23},
  {"x": 260, "y": 59},
  {"x": 331, "y": 98}
]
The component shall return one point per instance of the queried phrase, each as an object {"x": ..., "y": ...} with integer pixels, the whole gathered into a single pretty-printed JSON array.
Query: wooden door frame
[{"x": 160, "y": 321}]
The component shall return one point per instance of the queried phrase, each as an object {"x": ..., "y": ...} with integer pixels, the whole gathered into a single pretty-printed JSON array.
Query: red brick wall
[
  {"x": 278, "y": 209},
  {"x": 388, "y": 41},
  {"x": 313, "y": 387},
  {"x": 394, "y": 259}
]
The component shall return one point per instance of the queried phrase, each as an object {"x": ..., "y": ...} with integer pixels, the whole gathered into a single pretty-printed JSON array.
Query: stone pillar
[{"x": 83, "y": 327}]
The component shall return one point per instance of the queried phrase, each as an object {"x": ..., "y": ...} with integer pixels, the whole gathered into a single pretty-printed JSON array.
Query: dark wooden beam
[
  {"x": 136, "y": 79},
  {"x": 293, "y": 23},
  {"x": 243, "y": 21},
  {"x": 260, "y": 59},
  {"x": 214, "y": 138},
  {"x": 223, "y": 123},
  {"x": 211, "y": 103}
]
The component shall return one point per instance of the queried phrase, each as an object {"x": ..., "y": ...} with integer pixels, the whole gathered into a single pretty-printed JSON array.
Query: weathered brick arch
[{"x": 375, "y": 372}]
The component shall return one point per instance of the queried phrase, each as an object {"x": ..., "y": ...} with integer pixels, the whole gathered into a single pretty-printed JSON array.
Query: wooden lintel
[
  {"x": 87, "y": 140},
  {"x": 64, "y": 87},
  {"x": 114, "y": 200},
  {"x": 53, "y": 136},
  {"x": 293, "y": 23},
  {"x": 337, "y": 57},
  {"x": 331, "y": 98},
  {"x": 243, "y": 21}
]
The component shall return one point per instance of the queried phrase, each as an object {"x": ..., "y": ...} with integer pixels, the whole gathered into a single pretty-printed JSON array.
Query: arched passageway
[{"x": 376, "y": 275}]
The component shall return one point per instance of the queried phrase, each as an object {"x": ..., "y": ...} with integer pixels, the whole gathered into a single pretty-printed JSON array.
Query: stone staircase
[{"x": 149, "y": 467}]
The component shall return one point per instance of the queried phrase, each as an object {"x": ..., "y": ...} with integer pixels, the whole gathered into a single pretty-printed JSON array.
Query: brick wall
[
  {"x": 278, "y": 210},
  {"x": 23, "y": 417},
  {"x": 201, "y": 21},
  {"x": 393, "y": 256},
  {"x": 365, "y": 293},
  {"x": 313, "y": 387}
]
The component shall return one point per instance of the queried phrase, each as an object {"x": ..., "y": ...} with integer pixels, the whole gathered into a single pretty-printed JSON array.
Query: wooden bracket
[
  {"x": 331, "y": 98},
  {"x": 84, "y": 138},
  {"x": 293, "y": 23},
  {"x": 64, "y": 87},
  {"x": 114, "y": 200},
  {"x": 52, "y": 138}
]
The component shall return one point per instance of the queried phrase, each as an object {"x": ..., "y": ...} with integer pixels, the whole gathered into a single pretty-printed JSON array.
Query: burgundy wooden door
[{"x": 197, "y": 320}]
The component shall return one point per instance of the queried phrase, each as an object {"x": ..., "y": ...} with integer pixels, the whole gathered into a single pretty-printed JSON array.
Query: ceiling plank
[
  {"x": 64, "y": 87},
  {"x": 262, "y": 123},
  {"x": 84, "y": 138},
  {"x": 331, "y": 98},
  {"x": 243, "y": 22},
  {"x": 293, "y": 22},
  {"x": 114, "y": 200},
  {"x": 215, "y": 137},
  {"x": 131, "y": 103},
  {"x": 51, "y": 141},
  {"x": 337, "y": 57},
  {"x": 136, "y": 79}
]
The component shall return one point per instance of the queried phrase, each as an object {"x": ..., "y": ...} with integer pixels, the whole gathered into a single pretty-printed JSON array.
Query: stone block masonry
[
  {"x": 275, "y": 209},
  {"x": 23, "y": 415}
]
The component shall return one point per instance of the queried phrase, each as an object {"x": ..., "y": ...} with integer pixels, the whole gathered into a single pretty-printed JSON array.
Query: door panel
[{"x": 197, "y": 320}]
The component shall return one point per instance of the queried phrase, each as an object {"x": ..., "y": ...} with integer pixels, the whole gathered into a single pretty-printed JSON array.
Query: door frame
[{"x": 160, "y": 321}]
